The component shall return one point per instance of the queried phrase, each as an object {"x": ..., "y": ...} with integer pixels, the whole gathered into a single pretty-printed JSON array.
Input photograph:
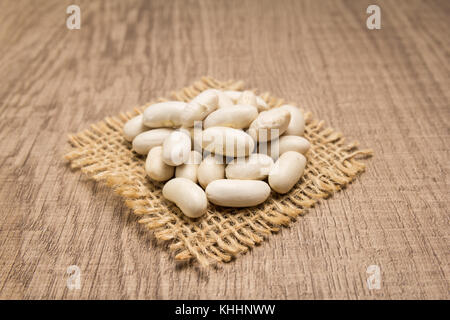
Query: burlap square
[{"x": 102, "y": 153}]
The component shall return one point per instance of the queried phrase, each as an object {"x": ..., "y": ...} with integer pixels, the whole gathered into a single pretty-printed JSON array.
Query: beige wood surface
[{"x": 389, "y": 89}]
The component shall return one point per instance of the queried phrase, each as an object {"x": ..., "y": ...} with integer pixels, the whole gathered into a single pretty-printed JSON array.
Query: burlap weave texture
[{"x": 223, "y": 233}]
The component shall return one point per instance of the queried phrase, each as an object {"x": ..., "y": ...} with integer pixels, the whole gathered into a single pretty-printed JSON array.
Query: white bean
[
  {"x": 133, "y": 127},
  {"x": 156, "y": 168},
  {"x": 277, "y": 147},
  {"x": 270, "y": 124},
  {"x": 164, "y": 114},
  {"x": 255, "y": 167},
  {"x": 145, "y": 141},
  {"x": 227, "y": 141},
  {"x": 287, "y": 171},
  {"x": 224, "y": 100},
  {"x": 237, "y": 193},
  {"x": 210, "y": 169},
  {"x": 247, "y": 98},
  {"x": 238, "y": 117},
  {"x": 202, "y": 105},
  {"x": 189, "y": 197},
  {"x": 234, "y": 95},
  {"x": 189, "y": 169},
  {"x": 297, "y": 124},
  {"x": 176, "y": 148}
]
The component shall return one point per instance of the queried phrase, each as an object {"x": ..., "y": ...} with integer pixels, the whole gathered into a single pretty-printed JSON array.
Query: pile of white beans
[{"x": 228, "y": 142}]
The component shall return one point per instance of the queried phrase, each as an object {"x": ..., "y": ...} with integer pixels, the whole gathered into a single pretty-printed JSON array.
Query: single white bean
[
  {"x": 237, "y": 193},
  {"x": 189, "y": 169},
  {"x": 269, "y": 124},
  {"x": 210, "y": 169},
  {"x": 224, "y": 100},
  {"x": 255, "y": 167},
  {"x": 202, "y": 105},
  {"x": 176, "y": 148},
  {"x": 277, "y": 147},
  {"x": 164, "y": 114},
  {"x": 189, "y": 197},
  {"x": 238, "y": 117},
  {"x": 156, "y": 168},
  {"x": 234, "y": 95},
  {"x": 247, "y": 98},
  {"x": 287, "y": 171},
  {"x": 133, "y": 127},
  {"x": 145, "y": 141},
  {"x": 227, "y": 141},
  {"x": 297, "y": 124},
  {"x": 208, "y": 98}
]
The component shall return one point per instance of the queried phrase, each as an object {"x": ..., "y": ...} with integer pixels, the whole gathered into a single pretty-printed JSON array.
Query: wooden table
[{"x": 389, "y": 89}]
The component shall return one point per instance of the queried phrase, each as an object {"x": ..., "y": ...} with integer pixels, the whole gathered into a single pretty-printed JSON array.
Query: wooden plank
[{"x": 389, "y": 89}]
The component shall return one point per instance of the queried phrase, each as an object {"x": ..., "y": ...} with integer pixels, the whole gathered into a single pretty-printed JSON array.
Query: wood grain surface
[{"x": 389, "y": 89}]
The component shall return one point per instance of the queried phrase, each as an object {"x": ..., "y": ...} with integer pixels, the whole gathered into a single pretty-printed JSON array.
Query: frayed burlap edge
[{"x": 223, "y": 233}]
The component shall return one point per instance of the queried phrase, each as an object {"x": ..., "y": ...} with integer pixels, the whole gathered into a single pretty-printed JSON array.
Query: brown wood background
[{"x": 389, "y": 89}]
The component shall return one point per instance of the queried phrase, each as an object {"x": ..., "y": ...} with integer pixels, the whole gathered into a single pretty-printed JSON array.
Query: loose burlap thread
[{"x": 221, "y": 234}]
